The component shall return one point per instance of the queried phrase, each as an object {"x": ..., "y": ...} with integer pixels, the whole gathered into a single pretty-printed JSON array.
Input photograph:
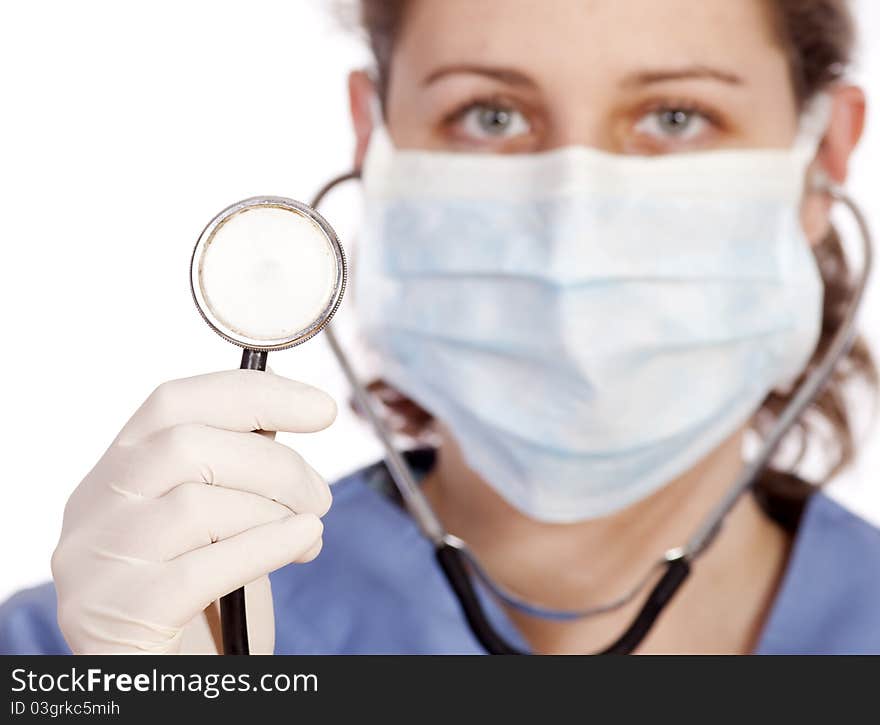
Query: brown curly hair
[{"x": 819, "y": 38}]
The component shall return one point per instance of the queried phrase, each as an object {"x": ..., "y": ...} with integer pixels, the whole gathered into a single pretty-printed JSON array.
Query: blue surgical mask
[{"x": 587, "y": 325}]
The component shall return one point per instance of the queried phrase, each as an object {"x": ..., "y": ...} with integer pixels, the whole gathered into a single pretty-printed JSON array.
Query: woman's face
[
  {"x": 641, "y": 77},
  {"x": 625, "y": 76}
]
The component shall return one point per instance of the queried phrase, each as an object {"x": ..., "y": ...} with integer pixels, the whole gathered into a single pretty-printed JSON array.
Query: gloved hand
[{"x": 187, "y": 505}]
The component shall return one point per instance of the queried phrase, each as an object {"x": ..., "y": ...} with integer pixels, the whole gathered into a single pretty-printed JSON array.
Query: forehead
[{"x": 580, "y": 38}]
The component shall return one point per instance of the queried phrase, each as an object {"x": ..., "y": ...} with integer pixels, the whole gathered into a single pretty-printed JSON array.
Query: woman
[{"x": 596, "y": 256}]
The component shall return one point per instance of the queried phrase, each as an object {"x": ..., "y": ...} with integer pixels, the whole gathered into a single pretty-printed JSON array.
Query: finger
[
  {"x": 260, "y": 616},
  {"x": 194, "y": 515},
  {"x": 312, "y": 553},
  {"x": 201, "y": 576},
  {"x": 239, "y": 400},
  {"x": 243, "y": 461}
]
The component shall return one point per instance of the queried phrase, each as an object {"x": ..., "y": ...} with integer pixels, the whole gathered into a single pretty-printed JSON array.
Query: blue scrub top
[{"x": 376, "y": 588}]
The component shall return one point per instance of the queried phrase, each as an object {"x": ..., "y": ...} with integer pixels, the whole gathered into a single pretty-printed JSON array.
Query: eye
[
  {"x": 482, "y": 121},
  {"x": 673, "y": 124}
]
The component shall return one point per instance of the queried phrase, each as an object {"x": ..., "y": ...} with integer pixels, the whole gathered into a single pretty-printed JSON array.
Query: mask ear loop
[{"x": 814, "y": 123}]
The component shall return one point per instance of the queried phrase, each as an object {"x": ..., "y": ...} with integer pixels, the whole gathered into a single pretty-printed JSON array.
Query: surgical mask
[{"x": 588, "y": 325}]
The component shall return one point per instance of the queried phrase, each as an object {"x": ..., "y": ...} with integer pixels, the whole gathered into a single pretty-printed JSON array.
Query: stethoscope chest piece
[{"x": 267, "y": 273}]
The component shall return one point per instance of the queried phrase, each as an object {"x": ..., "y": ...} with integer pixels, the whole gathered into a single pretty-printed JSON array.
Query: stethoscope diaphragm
[{"x": 267, "y": 273}]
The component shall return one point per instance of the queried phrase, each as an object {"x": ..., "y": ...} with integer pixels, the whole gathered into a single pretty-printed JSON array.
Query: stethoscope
[{"x": 460, "y": 566}]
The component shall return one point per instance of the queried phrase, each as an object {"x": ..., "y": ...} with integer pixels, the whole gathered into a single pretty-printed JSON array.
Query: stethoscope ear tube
[
  {"x": 452, "y": 563},
  {"x": 677, "y": 570},
  {"x": 839, "y": 346}
]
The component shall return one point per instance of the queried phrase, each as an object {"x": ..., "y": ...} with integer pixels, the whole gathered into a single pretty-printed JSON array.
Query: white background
[{"x": 124, "y": 128}]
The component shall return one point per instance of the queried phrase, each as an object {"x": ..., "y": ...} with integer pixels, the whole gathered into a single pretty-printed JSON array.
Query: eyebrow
[
  {"x": 639, "y": 78},
  {"x": 694, "y": 72},
  {"x": 505, "y": 75}
]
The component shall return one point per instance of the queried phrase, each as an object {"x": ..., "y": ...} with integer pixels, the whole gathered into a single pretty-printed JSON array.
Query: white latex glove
[{"x": 187, "y": 505}]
